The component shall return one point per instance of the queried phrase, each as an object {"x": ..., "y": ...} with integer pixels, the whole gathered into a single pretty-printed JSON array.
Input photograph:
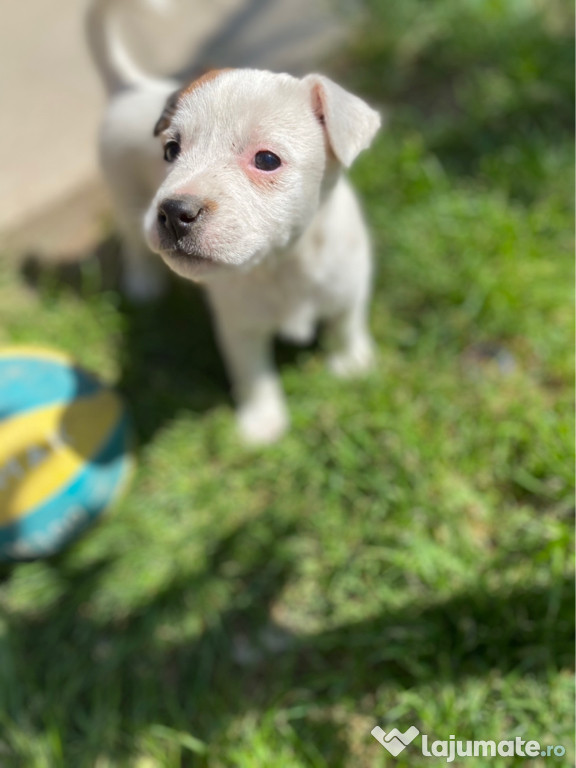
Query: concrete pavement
[{"x": 51, "y": 198}]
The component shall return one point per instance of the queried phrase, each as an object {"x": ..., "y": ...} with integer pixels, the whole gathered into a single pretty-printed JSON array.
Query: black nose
[{"x": 176, "y": 215}]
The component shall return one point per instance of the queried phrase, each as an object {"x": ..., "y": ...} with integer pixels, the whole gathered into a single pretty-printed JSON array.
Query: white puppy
[{"x": 250, "y": 200}]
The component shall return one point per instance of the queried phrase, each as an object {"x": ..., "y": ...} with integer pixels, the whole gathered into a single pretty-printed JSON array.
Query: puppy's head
[{"x": 249, "y": 157}]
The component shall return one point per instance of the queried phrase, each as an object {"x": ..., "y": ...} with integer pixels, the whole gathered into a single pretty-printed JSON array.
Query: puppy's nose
[{"x": 178, "y": 214}]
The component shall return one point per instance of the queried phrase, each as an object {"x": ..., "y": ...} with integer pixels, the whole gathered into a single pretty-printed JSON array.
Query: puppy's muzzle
[{"x": 178, "y": 215}]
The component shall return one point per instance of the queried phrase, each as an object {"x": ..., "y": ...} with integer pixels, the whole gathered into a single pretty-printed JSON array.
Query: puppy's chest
[
  {"x": 295, "y": 280},
  {"x": 270, "y": 295},
  {"x": 310, "y": 280}
]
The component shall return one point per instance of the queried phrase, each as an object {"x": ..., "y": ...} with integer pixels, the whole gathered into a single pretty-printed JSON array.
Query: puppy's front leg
[
  {"x": 261, "y": 410},
  {"x": 352, "y": 349}
]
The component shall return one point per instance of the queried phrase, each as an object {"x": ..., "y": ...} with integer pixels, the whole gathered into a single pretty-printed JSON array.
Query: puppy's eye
[
  {"x": 266, "y": 161},
  {"x": 171, "y": 151}
]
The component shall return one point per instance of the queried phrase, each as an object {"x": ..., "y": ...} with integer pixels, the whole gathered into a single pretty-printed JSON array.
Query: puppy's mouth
[
  {"x": 189, "y": 264},
  {"x": 180, "y": 255}
]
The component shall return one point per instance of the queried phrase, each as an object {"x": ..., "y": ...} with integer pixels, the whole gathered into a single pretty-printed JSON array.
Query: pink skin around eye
[{"x": 263, "y": 178}]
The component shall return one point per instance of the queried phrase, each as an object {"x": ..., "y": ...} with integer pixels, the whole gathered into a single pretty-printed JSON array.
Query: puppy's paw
[
  {"x": 357, "y": 360},
  {"x": 262, "y": 423}
]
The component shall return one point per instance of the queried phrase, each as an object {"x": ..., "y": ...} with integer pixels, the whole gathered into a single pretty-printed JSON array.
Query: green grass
[{"x": 402, "y": 557}]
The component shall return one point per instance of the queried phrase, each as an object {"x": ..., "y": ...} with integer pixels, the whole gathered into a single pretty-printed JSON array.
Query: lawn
[{"x": 403, "y": 556}]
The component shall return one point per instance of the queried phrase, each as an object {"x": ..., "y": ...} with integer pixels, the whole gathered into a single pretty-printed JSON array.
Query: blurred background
[
  {"x": 52, "y": 102},
  {"x": 404, "y": 556}
]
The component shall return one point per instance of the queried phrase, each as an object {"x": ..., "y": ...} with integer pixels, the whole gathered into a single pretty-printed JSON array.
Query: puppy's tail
[{"x": 116, "y": 67}]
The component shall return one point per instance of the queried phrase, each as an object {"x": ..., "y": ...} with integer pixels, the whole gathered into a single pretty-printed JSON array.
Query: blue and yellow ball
[{"x": 64, "y": 451}]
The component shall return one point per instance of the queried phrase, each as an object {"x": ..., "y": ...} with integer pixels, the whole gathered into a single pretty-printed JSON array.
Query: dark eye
[
  {"x": 266, "y": 161},
  {"x": 171, "y": 151}
]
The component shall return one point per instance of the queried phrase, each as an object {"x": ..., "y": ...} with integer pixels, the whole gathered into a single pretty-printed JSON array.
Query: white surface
[{"x": 51, "y": 99}]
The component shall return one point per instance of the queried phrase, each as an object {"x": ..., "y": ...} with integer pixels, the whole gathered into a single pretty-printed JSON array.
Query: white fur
[{"x": 277, "y": 251}]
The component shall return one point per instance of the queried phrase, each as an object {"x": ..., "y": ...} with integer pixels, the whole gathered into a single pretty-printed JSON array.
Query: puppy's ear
[
  {"x": 349, "y": 122},
  {"x": 168, "y": 113}
]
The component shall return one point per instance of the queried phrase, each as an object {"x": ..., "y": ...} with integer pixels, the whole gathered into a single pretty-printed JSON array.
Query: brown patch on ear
[
  {"x": 172, "y": 102},
  {"x": 168, "y": 113},
  {"x": 211, "y": 74}
]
